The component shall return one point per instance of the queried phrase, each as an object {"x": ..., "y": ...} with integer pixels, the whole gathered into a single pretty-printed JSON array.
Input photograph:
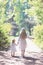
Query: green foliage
[
  {"x": 4, "y": 37},
  {"x": 36, "y": 10},
  {"x": 6, "y": 27},
  {"x": 38, "y": 35},
  {"x": 2, "y": 10},
  {"x": 20, "y": 10}
]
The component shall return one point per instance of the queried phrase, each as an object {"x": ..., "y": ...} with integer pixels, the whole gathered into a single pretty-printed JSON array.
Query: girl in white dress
[
  {"x": 22, "y": 41},
  {"x": 13, "y": 48}
]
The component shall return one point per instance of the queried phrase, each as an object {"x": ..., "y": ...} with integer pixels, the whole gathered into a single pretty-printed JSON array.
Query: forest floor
[
  {"x": 33, "y": 56},
  {"x": 32, "y": 59}
]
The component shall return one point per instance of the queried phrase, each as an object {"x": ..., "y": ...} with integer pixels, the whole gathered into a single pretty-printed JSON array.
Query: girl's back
[{"x": 22, "y": 39}]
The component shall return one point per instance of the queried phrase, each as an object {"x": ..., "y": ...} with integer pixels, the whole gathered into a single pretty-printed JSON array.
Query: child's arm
[{"x": 18, "y": 40}]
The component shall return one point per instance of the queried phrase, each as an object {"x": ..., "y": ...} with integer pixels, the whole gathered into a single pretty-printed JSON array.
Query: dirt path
[
  {"x": 33, "y": 56},
  {"x": 32, "y": 59}
]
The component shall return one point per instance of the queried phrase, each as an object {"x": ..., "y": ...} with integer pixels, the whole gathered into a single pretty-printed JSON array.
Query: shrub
[
  {"x": 4, "y": 37},
  {"x": 38, "y": 35}
]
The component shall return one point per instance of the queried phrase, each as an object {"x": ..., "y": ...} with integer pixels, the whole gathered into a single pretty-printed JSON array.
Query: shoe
[
  {"x": 23, "y": 56},
  {"x": 12, "y": 55}
]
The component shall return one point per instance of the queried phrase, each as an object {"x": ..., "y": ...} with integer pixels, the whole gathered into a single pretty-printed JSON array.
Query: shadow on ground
[{"x": 5, "y": 58}]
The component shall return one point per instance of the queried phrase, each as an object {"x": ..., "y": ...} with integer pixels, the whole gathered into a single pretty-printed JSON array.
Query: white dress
[
  {"x": 13, "y": 47},
  {"x": 22, "y": 44}
]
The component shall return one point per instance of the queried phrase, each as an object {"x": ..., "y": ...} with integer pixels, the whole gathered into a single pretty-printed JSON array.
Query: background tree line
[{"x": 28, "y": 12}]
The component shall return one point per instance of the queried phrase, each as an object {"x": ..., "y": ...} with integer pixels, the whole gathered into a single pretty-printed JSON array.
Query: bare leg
[
  {"x": 22, "y": 53},
  {"x": 12, "y": 54}
]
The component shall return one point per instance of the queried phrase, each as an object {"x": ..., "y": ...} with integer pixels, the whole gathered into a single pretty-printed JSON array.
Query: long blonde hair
[{"x": 23, "y": 34}]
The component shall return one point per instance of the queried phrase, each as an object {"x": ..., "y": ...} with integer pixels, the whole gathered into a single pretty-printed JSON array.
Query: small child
[
  {"x": 13, "y": 48},
  {"x": 22, "y": 41}
]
